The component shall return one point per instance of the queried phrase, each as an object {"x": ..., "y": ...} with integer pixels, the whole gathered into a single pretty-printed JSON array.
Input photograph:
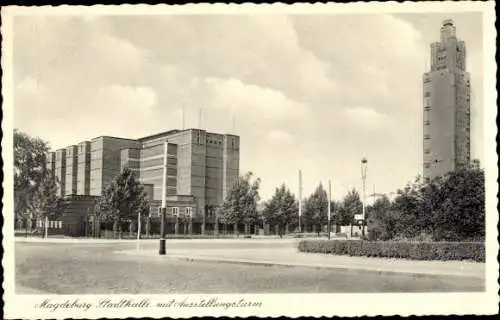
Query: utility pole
[
  {"x": 300, "y": 200},
  {"x": 163, "y": 209},
  {"x": 329, "y": 207},
  {"x": 364, "y": 164}
]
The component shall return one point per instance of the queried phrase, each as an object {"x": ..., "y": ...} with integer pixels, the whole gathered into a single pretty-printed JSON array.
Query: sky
[{"x": 310, "y": 92}]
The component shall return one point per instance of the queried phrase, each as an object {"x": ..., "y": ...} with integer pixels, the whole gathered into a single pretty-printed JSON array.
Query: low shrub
[{"x": 444, "y": 251}]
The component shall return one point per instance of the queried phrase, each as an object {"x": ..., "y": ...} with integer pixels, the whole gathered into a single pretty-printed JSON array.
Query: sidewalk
[
  {"x": 290, "y": 257},
  {"x": 155, "y": 241}
]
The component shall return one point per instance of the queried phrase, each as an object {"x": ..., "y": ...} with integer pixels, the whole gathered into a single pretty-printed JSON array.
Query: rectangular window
[
  {"x": 427, "y": 136},
  {"x": 188, "y": 212},
  {"x": 426, "y": 165},
  {"x": 60, "y": 224},
  {"x": 427, "y": 94},
  {"x": 427, "y": 108},
  {"x": 427, "y": 151},
  {"x": 175, "y": 211},
  {"x": 427, "y": 122}
]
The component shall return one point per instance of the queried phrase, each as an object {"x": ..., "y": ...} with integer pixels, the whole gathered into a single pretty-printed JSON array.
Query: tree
[
  {"x": 450, "y": 208},
  {"x": 45, "y": 202},
  {"x": 351, "y": 206},
  {"x": 29, "y": 170},
  {"x": 335, "y": 207},
  {"x": 122, "y": 199},
  {"x": 381, "y": 219},
  {"x": 240, "y": 205},
  {"x": 282, "y": 209},
  {"x": 461, "y": 213},
  {"x": 316, "y": 208}
]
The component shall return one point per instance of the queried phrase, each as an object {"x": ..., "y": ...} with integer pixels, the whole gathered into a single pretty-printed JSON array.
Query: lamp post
[
  {"x": 138, "y": 228},
  {"x": 364, "y": 164},
  {"x": 46, "y": 224},
  {"x": 163, "y": 209}
]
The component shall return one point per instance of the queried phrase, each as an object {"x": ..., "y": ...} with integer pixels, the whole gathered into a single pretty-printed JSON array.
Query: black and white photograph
[{"x": 249, "y": 160}]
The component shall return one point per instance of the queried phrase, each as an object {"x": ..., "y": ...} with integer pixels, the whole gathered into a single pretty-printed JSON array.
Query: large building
[
  {"x": 201, "y": 168},
  {"x": 446, "y": 103}
]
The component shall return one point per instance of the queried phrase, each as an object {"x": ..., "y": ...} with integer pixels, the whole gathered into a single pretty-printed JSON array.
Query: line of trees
[
  {"x": 450, "y": 208},
  {"x": 282, "y": 209},
  {"x": 447, "y": 208}
]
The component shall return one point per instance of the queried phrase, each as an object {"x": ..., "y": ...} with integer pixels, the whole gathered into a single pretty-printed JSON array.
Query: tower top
[
  {"x": 448, "y": 22},
  {"x": 448, "y": 30}
]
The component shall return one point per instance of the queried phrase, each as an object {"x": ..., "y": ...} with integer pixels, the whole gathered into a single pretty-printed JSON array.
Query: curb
[{"x": 266, "y": 263}]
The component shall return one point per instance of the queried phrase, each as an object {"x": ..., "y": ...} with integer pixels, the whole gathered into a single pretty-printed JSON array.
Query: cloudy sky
[{"x": 310, "y": 92}]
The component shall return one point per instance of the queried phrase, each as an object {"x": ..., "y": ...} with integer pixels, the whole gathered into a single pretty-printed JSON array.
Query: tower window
[
  {"x": 427, "y": 122},
  {"x": 427, "y": 94},
  {"x": 427, "y": 108},
  {"x": 426, "y": 165},
  {"x": 427, "y": 136},
  {"x": 427, "y": 151}
]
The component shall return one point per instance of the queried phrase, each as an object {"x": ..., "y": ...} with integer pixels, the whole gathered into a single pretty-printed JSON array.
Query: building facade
[
  {"x": 201, "y": 168},
  {"x": 446, "y": 106}
]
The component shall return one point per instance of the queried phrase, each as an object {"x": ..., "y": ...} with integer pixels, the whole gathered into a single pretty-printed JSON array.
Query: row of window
[
  {"x": 52, "y": 224},
  {"x": 188, "y": 211}
]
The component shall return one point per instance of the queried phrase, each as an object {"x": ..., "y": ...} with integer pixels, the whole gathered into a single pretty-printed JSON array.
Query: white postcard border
[{"x": 292, "y": 305}]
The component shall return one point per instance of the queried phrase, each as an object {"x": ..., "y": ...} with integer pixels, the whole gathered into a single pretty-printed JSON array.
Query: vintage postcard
[{"x": 249, "y": 160}]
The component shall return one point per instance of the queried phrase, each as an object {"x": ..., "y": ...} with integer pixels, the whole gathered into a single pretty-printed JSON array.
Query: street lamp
[
  {"x": 364, "y": 164},
  {"x": 163, "y": 209}
]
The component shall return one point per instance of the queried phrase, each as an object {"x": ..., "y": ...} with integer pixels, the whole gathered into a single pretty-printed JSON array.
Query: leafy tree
[
  {"x": 335, "y": 207},
  {"x": 381, "y": 220},
  {"x": 351, "y": 206},
  {"x": 316, "y": 208},
  {"x": 45, "y": 202},
  {"x": 447, "y": 208},
  {"x": 29, "y": 170},
  {"x": 410, "y": 204},
  {"x": 282, "y": 208},
  {"x": 122, "y": 199},
  {"x": 461, "y": 213},
  {"x": 240, "y": 206}
]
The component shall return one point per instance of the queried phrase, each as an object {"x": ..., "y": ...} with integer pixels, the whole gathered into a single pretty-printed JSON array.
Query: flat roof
[
  {"x": 114, "y": 138},
  {"x": 157, "y": 135}
]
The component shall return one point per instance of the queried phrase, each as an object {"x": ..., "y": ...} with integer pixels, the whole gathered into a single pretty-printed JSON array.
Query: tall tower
[{"x": 446, "y": 103}]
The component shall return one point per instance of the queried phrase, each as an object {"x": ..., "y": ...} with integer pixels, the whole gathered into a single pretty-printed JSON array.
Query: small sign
[{"x": 358, "y": 217}]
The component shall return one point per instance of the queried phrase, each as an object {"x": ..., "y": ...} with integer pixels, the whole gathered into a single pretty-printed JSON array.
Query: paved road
[{"x": 101, "y": 267}]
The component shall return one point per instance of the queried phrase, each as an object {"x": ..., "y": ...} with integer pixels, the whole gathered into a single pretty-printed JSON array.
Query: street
[{"x": 105, "y": 268}]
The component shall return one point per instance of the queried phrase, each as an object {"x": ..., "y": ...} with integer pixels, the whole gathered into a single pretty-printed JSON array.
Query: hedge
[{"x": 474, "y": 251}]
